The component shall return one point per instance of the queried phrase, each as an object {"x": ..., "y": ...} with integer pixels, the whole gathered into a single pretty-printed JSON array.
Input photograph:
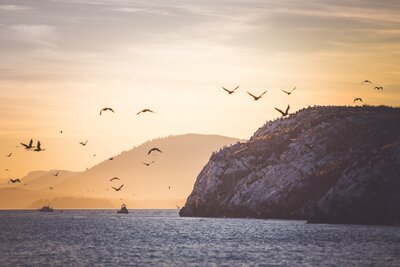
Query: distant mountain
[
  {"x": 181, "y": 159},
  {"x": 321, "y": 164},
  {"x": 163, "y": 184}
]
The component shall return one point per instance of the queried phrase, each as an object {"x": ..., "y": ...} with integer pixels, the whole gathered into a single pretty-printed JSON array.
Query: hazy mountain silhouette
[
  {"x": 144, "y": 186},
  {"x": 324, "y": 164}
]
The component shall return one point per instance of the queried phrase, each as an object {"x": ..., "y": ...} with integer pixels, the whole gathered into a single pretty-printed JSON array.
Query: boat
[
  {"x": 46, "y": 209},
  {"x": 123, "y": 209}
]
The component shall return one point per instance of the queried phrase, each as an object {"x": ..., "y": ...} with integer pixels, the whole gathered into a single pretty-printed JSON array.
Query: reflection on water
[{"x": 162, "y": 238}]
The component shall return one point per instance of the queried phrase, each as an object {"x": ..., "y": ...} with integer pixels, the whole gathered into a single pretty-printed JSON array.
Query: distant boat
[
  {"x": 123, "y": 209},
  {"x": 46, "y": 209}
]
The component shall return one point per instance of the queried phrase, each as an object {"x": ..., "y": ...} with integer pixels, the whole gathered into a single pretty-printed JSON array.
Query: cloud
[{"x": 13, "y": 8}]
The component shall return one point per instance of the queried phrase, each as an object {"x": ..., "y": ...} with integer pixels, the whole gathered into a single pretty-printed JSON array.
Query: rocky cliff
[{"x": 321, "y": 164}]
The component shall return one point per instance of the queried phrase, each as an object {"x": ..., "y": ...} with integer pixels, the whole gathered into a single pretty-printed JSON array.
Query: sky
[{"x": 62, "y": 61}]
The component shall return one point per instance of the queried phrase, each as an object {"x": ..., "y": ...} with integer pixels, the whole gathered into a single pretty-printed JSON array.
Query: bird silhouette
[
  {"x": 357, "y": 99},
  {"x": 51, "y": 188},
  {"x": 56, "y": 174},
  {"x": 144, "y": 111},
  {"x": 284, "y": 113},
  {"x": 117, "y": 189},
  {"x": 230, "y": 91},
  {"x": 114, "y": 178},
  {"x": 154, "y": 149},
  {"x": 105, "y": 109},
  {"x": 378, "y": 88},
  {"x": 148, "y": 164},
  {"x": 169, "y": 187},
  {"x": 288, "y": 92},
  {"x": 83, "y": 143},
  {"x": 366, "y": 81},
  {"x": 29, "y": 146},
  {"x": 112, "y": 158},
  {"x": 257, "y": 97},
  {"x": 38, "y": 147},
  {"x": 61, "y": 131},
  {"x": 9, "y": 155},
  {"x": 13, "y": 181},
  {"x": 7, "y": 170}
]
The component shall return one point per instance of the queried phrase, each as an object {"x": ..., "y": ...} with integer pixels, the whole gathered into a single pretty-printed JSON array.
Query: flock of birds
[
  {"x": 38, "y": 148},
  {"x": 30, "y": 147}
]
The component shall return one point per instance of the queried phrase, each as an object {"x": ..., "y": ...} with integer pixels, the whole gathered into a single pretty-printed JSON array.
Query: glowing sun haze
[{"x": 62, "y": 61}]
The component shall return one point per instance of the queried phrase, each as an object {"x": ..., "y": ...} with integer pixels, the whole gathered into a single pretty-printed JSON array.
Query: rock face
[{"x": 321, "y": 164}]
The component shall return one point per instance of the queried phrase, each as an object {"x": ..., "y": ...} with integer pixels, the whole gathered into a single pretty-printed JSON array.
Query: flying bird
[
  {"x": 378, "y": 88},
  {"x": 114, "y": 178},
  {"x": 105, "y": 109},
  {"x": 366, "y": 81},
  {"x": 257, "y": 97},
  {"x": 56, "y": 174},
  {"x": 144, "y": 111},
  {"x": 289, "y": 92},
  {"x": 38, "y": 147},
  {"x": 148, "y": 164},
  {"x": 51, "y": 188},
  {"x": 61, "y": 131},
  {"x": 357, "y": 99},
  {"x": 7, "y": 170},
  {"x": 230, "y": 91},
  {"x": 112, "y": 158},
  {"x": 284, "y": 113},
  {"x": 169, "y": 187},
  {"x": 29, "y": 146},
  {"x": 117, "y": 189},
  {"x": 13, "y": 181},
  {"x": 83, "y": 143},
  {"x": 154, "y": 149},
  {"x": 9, "y": 155}
]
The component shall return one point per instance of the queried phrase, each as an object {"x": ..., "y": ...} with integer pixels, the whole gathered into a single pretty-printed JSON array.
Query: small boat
[
  {"x": 46, "y": 209},
  {"x": 123, "y": 209}
]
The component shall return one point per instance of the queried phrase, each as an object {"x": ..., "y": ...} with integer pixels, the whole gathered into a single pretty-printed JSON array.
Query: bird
[
  {"x": 284, "y": 113},
  {"x": 105, "y": 109},
  {"x": 366, "y": 81},
  {"x": 38, "y": 147},
  {"x": 83, "y": 143},
  {"x": 29, "y": 146},
  {"x": 154, "y": 149},
  {"x": 257, "y": 97},
  {"x": 94, "y": 155},
  {"x": 378, "y": 88},
  {"x": 148, "y": 164},
  {"x": 357, "y": 99},
  {"x": 61, "y": 131},
  {"x": 51, "y": 188},
  {"x": 144, "y": 111},
  {"x": 9, "y": 155},
  {"x": 114, "y": 178},
  {"x": 112, "y": 158},
  {"x": 56, "y": 174},
  {"x": 13, "y": 181},
  {"x": 117, "y": 189},
  {"x": 289, "y": 92},
  {"x": 169, "y": 187},
  {"x": 7, "y": 170},
  {"x": 230, "y": 91}
]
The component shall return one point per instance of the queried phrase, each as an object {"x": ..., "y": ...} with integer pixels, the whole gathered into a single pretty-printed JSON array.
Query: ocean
[{"x": 162, "y": 238}]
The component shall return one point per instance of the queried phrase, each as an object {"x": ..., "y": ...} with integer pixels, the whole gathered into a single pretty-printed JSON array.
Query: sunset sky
[{"x": 63, "y": 60}]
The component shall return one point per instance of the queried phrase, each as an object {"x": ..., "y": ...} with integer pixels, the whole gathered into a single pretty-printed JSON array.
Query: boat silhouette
[
  {"x": 123, "y": 209},
  {"x": 46, "y": 209}
]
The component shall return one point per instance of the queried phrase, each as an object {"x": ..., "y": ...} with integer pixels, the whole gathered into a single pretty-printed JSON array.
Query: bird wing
[
  {"x": 30, "y": 143},
  {"x": 101, "y": 111},
  {"x": 111, "y": 110},
  {"x": 121, "y": 187},
  {"x": 285, "y": 91},
  {"x": 25, "y": 145},
  {"x": 263, "y": 93},
  {"x": 287, "y": 109},
  {"x": 293, "y": 89},
  {"x": 227, "y": 90},
  {"x": 252, "y": 95},
  {"x": 38, "y": 145},
  {"x": 139, "y": 112},
  {"x": 237, "y": 87},
  {"x": 280, "y": 111}
]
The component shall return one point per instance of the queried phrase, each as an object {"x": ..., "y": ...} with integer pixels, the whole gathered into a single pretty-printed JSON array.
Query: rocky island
[{"x": 320, "y": 164}]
